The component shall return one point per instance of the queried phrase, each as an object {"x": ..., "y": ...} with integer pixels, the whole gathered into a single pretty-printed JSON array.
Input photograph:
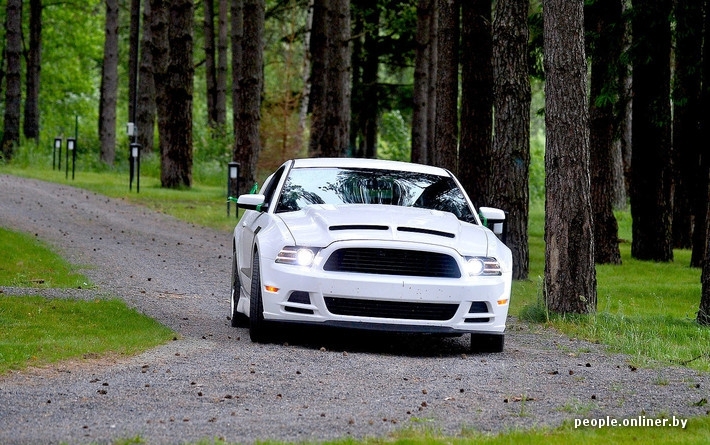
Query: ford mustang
[{"x": 370, "y": 244}]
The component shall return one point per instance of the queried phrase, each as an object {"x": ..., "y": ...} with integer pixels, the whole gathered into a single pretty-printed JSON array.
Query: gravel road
[{"x": 212, "y": 382}]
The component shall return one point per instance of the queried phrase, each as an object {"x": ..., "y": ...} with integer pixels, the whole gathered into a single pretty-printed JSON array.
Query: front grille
[
  {"x": 390, "y": 309},
  {"x": 412, "y": 263}
]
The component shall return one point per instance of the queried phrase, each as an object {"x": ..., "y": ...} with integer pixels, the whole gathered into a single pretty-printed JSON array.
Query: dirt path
[{"x": 212, "y": 382}]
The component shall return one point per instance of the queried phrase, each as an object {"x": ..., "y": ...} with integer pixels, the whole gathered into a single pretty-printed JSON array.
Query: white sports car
[{"x": 370, "y": 244}]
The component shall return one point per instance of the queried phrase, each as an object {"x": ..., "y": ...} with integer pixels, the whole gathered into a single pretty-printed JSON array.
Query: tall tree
[
  {"x": 445, "y": 153},
  {"x": 365, "y": 65},
  {"x": 109, "y": 85},
  {"x": 247, "y": 122},
  {"x": 688, "y": 204},
  {"x": 476, "y": 143},
  {"x": 702, "y": 196},
  {"x": 171, "y": 29},
  {"x": 222, "y": 63},
  {"x": 146, "y": 107},
  {"x": 570, "y": 277},
  {"x": 32, "y": 76},
  {"x": 330, "y": 88},
  {"x": 510, "y": 157},
  {"x": 420, "y": 115},
  {"x": 210, "y": 62},
  {"x": 13, "y": 79},
  {"x": 605, "y": 36},
  {"x": 703, "y": 316},
  {"x": 651, "y": 182},
  {"x": 133, "y": 58}
]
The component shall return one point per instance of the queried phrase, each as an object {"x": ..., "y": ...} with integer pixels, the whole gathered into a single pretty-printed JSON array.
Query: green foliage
[
  {"x": 37, "y": 331},
  {"x": 395, "y": 138},
  {"x": 28, "y": 262}
]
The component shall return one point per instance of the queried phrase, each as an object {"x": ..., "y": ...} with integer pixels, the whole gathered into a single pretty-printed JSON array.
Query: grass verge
[
  {"x": 28, "y": 262},
  {"x": 37, "y": 331}
]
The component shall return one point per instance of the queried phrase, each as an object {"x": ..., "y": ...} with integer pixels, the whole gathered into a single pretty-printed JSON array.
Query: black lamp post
[{"x": 232, "y": 183}]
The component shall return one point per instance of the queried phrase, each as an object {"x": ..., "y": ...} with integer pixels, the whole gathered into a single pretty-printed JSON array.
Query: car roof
[{"x": 380, "y": 164}]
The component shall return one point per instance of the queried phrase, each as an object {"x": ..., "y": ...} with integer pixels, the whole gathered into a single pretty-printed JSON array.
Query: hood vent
[
  {"x": 359, "y": 227},
  {"x": 426, "y": 231}
]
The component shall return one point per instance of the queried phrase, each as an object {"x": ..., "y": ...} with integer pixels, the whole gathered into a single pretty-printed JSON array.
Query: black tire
[
  {"x": 238, "y": 319},
  {"x": 487, "y": 343},
  {"x": 257, "y": 325}
]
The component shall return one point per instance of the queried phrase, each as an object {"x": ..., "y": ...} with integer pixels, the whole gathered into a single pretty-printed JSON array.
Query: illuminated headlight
[
  {"x": 480, "y": 265},
  {"x": 299, "y": 256}
]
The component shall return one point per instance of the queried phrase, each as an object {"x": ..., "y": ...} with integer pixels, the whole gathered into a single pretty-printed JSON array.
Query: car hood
[{"x": 321, "y": 225}]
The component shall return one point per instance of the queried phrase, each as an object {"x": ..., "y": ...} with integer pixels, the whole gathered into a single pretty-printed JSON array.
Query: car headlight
[
  {"x": 298, "y": 256},
  {"x": 482, "y": 266}
]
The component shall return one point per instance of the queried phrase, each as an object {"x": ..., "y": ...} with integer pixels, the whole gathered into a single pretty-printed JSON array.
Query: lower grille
[
  {"x": 413, "y": 263},
  {"x": 391, "y": 309}
]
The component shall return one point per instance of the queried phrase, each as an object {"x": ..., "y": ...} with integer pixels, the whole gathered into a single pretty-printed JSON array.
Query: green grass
[
  {"x": 645, "y": 309},
  {"x": 28, "y": 262},
  {"x": 37, "y": 331}
]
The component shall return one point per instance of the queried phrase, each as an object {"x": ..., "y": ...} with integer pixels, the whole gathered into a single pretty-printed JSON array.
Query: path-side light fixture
[
  {"x": 71, "y": 147},
  {"x": 232, "y": 184},
  {"x": 57, "y": 151},
  {"x": 136, "y": 164}
]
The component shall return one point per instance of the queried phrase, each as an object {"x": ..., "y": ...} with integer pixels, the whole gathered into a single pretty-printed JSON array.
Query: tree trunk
[
  {"x": 687, "y": 177},
  {"x": 476, "y": 100},
  {"x": 109, "y": 85},
  {"x": 651, "y": 182},
  {"x": 510, "y": 157},
  {"x": 365, "y": 94},
  {"x": 248, "y": 144},
  {"x": 13, "y": 92},
  {"x": 570, "y": 278},
  {"x": 145, "y": 112},
  {"x": 421, "y": 82},
  {"x": 222, "y": 64},
  {"x": 133, "y": 59},
  {"x": 172, "y": 57},
  {"x": 445, "y": 152},
  {"x": 701, "y": 198},
  {"x": 330, "y": 87},
  {"x": 604, "y": 18},
  {"x": 34, "y": 55},
  {"x": 210, "y": 65}
]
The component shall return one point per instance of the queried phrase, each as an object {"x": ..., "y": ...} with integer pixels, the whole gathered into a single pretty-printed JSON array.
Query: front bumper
[{"x": 384, "y": 302}]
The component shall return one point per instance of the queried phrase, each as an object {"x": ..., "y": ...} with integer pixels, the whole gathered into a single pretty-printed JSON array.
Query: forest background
[{"x": 365, "y": 77}]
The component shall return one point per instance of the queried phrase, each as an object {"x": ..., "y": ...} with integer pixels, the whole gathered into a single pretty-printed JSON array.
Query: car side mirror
[
  {"x": 495, "y": 220},
  {"x": 252, "y": 202}
]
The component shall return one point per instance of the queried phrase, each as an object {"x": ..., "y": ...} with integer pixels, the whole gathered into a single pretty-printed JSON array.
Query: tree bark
[
  {"x": 248, "y": 145},
  {"x": 174, "y": 72},
  {"x": 421, "y": 82},
  {"x": 651, "y": 182},
  {"x": 686, "y": 122},
  {"x": 330, "y": 87},
  {"x": 365, "y": 89},
  {"x": 34, "y": 63},
  {"x": 146, "y": 109},
  {"x": 604, "y": 18},
  {"x": 570, "y": 277},
  {"x": 222, "y": 64},
  {"x": 476, "y": 147},
  {"x": 510, "y": 156},
  {"x": 210, "y": 65},
  {"x": 445, "y": 152},
  {"x": 133, "y": 58},
  {"x": 109, "y": 86},
  {"x": 13, "y": 79}
]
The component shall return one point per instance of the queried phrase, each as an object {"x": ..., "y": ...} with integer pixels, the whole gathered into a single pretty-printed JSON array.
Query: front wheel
[
  {"x": 257, "y": 324},
  {"x": 487, "y": 343}
]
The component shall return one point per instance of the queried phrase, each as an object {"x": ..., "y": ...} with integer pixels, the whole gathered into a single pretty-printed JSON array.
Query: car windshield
[{"x": 342, "y": 186}]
